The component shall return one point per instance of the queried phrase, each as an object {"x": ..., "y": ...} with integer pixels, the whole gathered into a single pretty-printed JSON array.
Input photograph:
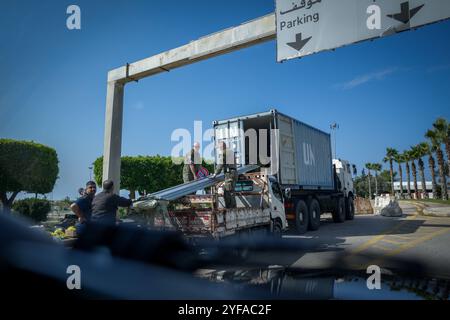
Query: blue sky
[{"x": 53, "y": 84}]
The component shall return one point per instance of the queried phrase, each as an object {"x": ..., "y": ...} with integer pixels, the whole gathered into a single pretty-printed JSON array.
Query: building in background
[{"x": 429, "y": 188}]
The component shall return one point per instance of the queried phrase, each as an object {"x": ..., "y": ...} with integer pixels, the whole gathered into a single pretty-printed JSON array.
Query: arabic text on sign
[{"x": 303, "y": 4}]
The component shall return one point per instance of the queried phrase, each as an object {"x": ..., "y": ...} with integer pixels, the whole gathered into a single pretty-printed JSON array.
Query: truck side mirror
[{"x": 287, "y": 193}]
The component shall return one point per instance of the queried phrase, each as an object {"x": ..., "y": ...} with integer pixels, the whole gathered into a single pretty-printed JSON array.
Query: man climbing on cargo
[
  {"x": 226, "y": 162},
  {"x": 192, "y": 162}
]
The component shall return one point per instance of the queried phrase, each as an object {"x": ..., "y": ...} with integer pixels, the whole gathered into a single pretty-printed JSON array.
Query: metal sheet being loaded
[{"x": 191, "y": 187}]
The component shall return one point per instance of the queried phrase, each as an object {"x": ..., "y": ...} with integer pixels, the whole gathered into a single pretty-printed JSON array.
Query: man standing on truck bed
[
  {"x": 228, "y": 165},
  {"x": 105, "y": 204},
  {"x": 192, "y": 162}
]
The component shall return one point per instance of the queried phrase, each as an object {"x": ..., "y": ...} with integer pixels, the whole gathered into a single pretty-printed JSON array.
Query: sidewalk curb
[
  {"x": 423, "y": 211},
  {"x": 428, "y": 213}
]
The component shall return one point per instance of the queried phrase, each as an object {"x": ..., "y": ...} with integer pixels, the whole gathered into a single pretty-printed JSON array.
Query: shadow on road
[
  {"x": 362, "y": 226},
  {"x": 325, "y": 245},
  {"x": 436, "y": 225},
  {"x": 332, "y": 239}
]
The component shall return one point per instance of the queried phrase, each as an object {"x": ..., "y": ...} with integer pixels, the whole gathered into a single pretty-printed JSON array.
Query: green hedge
[
  {"x": 147, "y": 173},
  {"x": 35, "y": 209},
  {"x": 27, "y": 166}
]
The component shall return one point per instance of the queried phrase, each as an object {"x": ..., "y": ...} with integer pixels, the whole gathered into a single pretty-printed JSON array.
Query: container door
[
  {"x": 287, "y": 161},
  {"x": 232, "y": 133}
]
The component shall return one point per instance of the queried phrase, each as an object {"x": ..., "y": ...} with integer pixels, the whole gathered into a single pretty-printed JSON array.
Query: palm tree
[
  {"x": 429, "y": 149},
  {"x": 436, "y": 140},
  {"x": 390, "y": 157},
  {"x": 442, "y": 128},
  {"x": 422, "y": 150},
  {"x": 407, "y": 158},
  {"x": 377, "y": 168},
  {"x": 369, "y": 167},
  {"x": 399, "y": 158},
  {"x": 414, "y": 155}
]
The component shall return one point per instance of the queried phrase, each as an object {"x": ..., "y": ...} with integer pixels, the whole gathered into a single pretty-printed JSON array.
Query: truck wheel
[
  {"x": 301, "y": 217},
  {"x": 339, "y": 211},
  {"x": 350, "y": 208},
  {"x": 277, "y": 228},
  {"x": 314, "y": 215}
]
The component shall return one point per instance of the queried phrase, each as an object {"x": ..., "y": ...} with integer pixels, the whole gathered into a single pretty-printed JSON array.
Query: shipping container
[{"x": 298, "y": 154}]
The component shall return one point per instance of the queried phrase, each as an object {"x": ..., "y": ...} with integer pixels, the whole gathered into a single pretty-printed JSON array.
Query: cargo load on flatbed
[{"x": 258, "y": 206}]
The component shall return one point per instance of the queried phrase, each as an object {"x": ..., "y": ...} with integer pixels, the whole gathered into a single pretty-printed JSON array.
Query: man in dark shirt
[
  {"x": 227, "y": 164},
  {"x": 105, "y": 204},
  {"x": 83, "y": 206},
  {"x": 192, "y": 162}
]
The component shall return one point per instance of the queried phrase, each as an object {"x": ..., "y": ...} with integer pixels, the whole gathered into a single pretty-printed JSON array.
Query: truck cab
[{"x": 344, "y": 175}]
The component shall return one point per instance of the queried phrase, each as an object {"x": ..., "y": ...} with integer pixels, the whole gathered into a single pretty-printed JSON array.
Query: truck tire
[
  {"x": 301, "y": 217},
  {"x": 339, "y": 211},
  {"x": 276, "y": 228},
  {"x": 314, "y": 215},
  {"x": 349, "y": 208}
]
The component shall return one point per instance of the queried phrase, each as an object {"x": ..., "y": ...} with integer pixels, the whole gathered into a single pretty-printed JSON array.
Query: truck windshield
[
  {"x": 276, "y": 190},
  {"x": 246, "y": 185}
]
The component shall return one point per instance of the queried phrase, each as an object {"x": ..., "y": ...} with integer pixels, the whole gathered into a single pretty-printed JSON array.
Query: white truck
[{"x": 299, "y": 158}]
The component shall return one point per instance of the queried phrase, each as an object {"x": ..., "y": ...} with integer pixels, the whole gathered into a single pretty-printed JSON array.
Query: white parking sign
[{"x": 307, "y": 27}]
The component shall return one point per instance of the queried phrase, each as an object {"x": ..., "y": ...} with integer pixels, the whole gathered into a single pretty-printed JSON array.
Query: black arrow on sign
[
  {"x": 299, "y": 42},
  {"x": 406, "y": 15}
]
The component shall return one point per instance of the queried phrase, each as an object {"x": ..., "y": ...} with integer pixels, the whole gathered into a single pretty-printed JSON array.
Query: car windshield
[{"x": 224, "y": 150}]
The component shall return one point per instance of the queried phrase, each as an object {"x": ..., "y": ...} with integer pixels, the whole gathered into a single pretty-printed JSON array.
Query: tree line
[{"x": 413, "y": 162}]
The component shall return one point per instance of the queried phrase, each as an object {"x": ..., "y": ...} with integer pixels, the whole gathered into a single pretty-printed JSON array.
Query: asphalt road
[{"x": 373, "y": 239}]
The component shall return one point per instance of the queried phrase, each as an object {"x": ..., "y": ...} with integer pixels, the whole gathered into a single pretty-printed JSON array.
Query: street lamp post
[
  {"x": 90, "y": 173},
  {"x": 334, "y": 127}
]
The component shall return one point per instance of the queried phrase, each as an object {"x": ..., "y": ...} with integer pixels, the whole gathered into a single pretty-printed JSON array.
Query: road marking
[
  {"x": 392, "y": 241},
  {"x": 416, "y": 235},
  {"x": 377, "y": 246},
  {"x": 422, "y": 239},
  {"x": 374, "y": 240},
  {"x": 401, "y": 237},
  {"x": 366, "y": 245},
  {"x": 412, "y": 244},
  {"x": 399, "y": 248}
]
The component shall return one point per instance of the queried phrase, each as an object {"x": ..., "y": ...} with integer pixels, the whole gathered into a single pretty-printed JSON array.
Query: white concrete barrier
[{"x": 387, "y": 206}]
